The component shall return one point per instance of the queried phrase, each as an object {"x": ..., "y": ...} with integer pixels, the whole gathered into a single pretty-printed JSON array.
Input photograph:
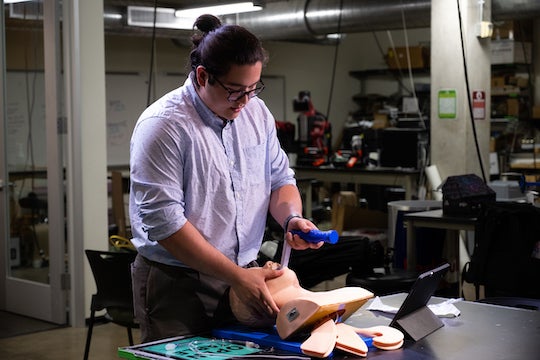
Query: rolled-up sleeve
[{"x": 156, "y": 180}]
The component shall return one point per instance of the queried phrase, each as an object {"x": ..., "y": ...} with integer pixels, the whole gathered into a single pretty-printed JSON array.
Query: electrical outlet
[{"x": 484, "y": 29}]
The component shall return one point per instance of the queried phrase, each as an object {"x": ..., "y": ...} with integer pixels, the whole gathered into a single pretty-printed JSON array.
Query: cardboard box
[
  {"x": 398, "y": 59},
  {"x": 492, "y": 144},
  {"x": 536, "y": 112},
  {"x": 380, "y": 121},
  {"x": 498, "y": 81},
  {"x": 519, "y": 81},
  {"x": 512, "y": 107},
  {"x": 510, "y": 52},
  {"x": 346, "y": 215},
  {"x": 520, "y": 30}
]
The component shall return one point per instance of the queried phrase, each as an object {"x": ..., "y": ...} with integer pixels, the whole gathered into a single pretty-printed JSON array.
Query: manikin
[{"x": 318, "y": 313}]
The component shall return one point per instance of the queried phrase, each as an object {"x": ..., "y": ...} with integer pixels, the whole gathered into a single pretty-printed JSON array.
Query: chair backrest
[
  {"x": 117, "y": 197},
  {"x": 112, "y": 273},
  {"x": 503, "y": 259}
]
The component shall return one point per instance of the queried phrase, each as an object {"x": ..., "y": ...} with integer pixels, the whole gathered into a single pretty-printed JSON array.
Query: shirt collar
[{"x": 207, "y": 115}]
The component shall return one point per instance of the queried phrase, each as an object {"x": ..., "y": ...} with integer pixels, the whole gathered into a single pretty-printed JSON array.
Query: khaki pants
[{"x": 173, "y": 301}]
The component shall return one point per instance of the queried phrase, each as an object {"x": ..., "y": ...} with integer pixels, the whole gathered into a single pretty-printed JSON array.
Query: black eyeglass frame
[{"x": 250, "y": 93}]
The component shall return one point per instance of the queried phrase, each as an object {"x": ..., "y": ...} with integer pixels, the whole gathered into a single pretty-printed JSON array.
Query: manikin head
[{"x": 283, "y": 288}]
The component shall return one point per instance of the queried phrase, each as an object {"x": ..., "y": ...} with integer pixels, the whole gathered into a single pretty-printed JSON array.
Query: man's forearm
[
  {"x": 192, "y": 249},
  {"x": 285, "y": 201}
]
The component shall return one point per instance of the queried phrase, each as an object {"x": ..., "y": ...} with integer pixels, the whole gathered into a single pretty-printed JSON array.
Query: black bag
[
  {"x": 465, "y": 195},
  {"x": 504, "y": 258},
  {"x": 350, "y": 253}
]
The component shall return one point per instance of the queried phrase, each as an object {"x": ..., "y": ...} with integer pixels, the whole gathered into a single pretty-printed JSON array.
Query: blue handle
[{"x": 314, "y": 236}]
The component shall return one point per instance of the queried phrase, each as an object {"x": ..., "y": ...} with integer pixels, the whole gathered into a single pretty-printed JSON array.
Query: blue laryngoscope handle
[{"x": 314, "y": 236}]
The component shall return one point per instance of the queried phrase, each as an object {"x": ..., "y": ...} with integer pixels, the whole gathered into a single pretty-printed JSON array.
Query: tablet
[{"x": 414, "y": 317}]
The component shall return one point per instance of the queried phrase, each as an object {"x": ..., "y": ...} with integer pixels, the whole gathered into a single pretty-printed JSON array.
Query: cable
[
  {"x": 411, "y": 77},
  {"x": 469, "y": 92},
  {"x": 383, "y": 54},
  {"x": 151, "y": 72},
  {"x": 400, "y": 75},
  {"x": 334, "y": 65}
]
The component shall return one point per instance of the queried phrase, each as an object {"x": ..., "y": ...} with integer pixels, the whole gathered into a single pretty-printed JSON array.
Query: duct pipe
[{"x": 313, "y": 19}]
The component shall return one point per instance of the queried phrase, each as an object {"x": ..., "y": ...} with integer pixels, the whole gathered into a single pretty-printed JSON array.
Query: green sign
[{"x": 447, "y": 104}]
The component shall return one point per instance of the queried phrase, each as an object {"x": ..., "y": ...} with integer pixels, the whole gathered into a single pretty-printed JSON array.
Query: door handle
[{"x": 2, "y": 184}]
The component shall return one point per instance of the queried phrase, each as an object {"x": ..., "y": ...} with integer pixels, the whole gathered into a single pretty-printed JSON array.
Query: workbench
[
  {"x": 406, "y": 178},
  {"x": 481, "y": 331}
]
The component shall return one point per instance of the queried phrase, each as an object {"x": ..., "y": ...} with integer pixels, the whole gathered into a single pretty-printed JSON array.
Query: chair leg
[
  {"x": 130, "y": 336},
  {"x": 89, "y": 334}
]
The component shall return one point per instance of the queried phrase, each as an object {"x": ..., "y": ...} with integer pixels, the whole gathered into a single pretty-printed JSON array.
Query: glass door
[{"x": 32, "y": 210}]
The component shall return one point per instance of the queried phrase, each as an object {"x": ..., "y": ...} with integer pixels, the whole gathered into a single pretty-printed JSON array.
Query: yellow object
[{"x": 121, "y": 243}]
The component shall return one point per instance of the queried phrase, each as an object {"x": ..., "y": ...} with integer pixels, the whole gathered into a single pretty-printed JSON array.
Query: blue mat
[{"x": 269, "y": 338}]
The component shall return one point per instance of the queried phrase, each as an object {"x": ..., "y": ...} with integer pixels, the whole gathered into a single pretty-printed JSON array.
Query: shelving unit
[
  {"x": 511, "y": 116},
  {"x": 400, "y": 77},
  {"x": 397, "y": 75}
]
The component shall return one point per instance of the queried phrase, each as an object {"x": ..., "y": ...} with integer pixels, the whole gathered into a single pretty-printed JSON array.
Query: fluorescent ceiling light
[
  {"x": 334, "y": 36},
  {"x": 164, "y": 18},
  {"x": 181, "y": 19},
  {"x": 235, "y": 8},
  {"x": 112, "y": 16},
  {"x": 15, "y": 1}
]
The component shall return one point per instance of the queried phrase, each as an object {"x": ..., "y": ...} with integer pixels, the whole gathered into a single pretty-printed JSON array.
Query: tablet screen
[{"x": 423, "y": 288}]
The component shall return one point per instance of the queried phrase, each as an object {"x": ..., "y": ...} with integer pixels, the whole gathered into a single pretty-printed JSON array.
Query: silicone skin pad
[{"x": 304, "y": 313}]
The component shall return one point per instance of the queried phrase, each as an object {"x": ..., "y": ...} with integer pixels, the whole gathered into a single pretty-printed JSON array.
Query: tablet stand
[{"x": 418, "y": 324}]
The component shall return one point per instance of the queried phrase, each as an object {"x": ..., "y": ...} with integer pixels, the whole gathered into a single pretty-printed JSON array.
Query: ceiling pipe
[{"x": 312, "y": 20}]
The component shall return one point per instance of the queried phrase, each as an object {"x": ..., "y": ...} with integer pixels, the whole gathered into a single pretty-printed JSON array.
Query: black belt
[
  {"x": 183, "y": 269},
  {"x": 170, "y": 269}
]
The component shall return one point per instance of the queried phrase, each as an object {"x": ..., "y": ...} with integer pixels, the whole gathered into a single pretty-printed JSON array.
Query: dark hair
[{"x": 217, "y": 46}]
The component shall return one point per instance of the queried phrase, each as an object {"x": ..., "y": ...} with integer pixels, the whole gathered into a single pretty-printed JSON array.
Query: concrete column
[
  {"x": 86, "y": 172},
  {"x": 536, "y": 59},
  {"x": 453, "y": 148}
]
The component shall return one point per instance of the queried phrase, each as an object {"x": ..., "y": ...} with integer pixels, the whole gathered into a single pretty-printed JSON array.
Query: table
[
  {"x": 482, "y": 331},
  {"x": 437, "y": 220},
  {"x": 406, "y": 178},
  {"x": 306, "y": 186}
]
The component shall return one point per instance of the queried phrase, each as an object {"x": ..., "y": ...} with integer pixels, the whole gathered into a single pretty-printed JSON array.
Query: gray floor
[{"x": 66, "y": 343}]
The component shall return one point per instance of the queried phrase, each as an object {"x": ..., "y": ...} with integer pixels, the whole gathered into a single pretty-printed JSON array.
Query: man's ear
[{"x": 201, "y": 75}]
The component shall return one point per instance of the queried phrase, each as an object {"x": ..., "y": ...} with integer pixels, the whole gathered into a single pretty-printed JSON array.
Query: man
[{"x": 206, "y": 167}]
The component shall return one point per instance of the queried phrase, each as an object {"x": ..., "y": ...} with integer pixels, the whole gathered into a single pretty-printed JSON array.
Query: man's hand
[
  {"x": 253, "y": 293},
  {"x": 295, "y": 241}
]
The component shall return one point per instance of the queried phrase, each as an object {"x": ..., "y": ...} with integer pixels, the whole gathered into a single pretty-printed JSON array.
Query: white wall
[{"x": 304, "y": 66}]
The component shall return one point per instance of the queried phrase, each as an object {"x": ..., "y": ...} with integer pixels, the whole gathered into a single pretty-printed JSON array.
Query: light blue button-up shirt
[{"x": 186, "y": 166}]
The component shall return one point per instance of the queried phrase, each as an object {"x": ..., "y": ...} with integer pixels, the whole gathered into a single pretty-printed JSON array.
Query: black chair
[
  {"x": 503, "y": 260},
  {"x": 112, "y": 273}
]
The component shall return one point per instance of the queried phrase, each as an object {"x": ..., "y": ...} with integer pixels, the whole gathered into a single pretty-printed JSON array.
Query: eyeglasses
[{"x": 235, "y": 95}]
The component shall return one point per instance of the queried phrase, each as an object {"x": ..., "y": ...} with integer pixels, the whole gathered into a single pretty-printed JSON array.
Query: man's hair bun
[{"x": 206, "y": 23}]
